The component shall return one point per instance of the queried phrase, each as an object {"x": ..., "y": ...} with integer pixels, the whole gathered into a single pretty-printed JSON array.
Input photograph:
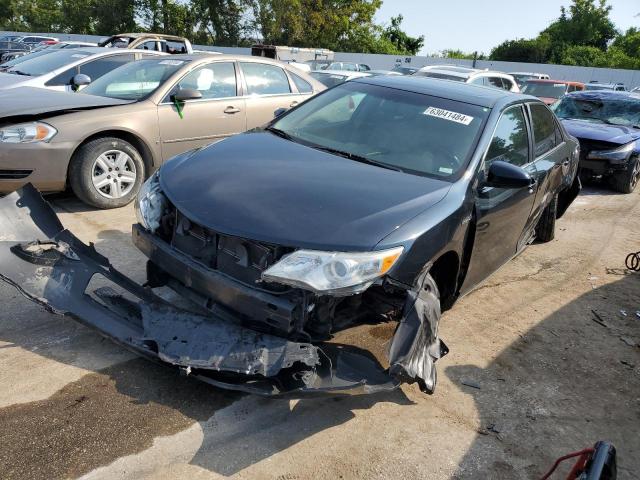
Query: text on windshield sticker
[{"x": 448, "y": 115}]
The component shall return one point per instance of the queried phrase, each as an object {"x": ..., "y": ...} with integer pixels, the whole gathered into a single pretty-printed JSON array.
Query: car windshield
[
  {"x": 544, "y": 89},
  {"x": 343, "y": 66},
  {"x": 392, "y": 128},
  {"x": 328, "y": 79},
  {"x": 135, "y": 80},
  {"x": 41, "y": 64},
  {"x": 620, "y": 111},
  {"x": 24, "y": 58},
  {"x": 522, "y": 77}
]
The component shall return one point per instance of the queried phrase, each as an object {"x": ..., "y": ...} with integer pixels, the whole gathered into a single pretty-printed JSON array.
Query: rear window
[
  {"x": 328, "y": 79},
  {"x": 544, "y": 89}
]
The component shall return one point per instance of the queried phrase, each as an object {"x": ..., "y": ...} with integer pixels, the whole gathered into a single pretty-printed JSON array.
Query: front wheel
[
  {"x": 106, "y": 172},
  {"x": 626, "y": 181},
  {"x": 546, "y": 228}
]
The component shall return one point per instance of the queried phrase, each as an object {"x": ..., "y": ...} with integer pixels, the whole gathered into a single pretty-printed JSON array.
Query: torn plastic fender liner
[
  {"x": 416, "y": 347},
  {"x": 52, "y": 267}
]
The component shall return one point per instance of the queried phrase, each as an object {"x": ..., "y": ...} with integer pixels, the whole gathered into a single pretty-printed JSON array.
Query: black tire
[
  {"x": 546, "y": 228},
  {"x": 627, "y": 180},
  {"x": 85, "y": 166}
]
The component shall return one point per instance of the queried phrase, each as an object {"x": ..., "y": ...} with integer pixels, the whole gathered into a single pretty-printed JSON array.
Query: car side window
[
  {"x": 510, "y": 141},
  {"x": 97, "y": 68},
  {"x": 544, "y": 129},
  {"x": 301, "y": 84},
  {"x": 477, "y": 81},
  {"x": 213, "y": 80},
  {"x": 265, "y": 79},
  {"x": 494, "y": 82},
  {"x": 63, "y": 78},
  {"x": 148, "y": 45},
  {"x": 364, "y": 68},
  {"x": 507, "y": 84}
]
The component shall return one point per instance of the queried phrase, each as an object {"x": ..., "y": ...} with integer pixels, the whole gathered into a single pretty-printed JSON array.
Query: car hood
[
  {"x": 265, "y": 188},
  {"x": 10, "y": 80},
  {"x": 617, "y": 134},
  {"x": 27, "y": 101}
]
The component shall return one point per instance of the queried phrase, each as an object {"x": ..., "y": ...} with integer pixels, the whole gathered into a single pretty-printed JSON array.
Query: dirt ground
[{"x": 550, "y": 380}]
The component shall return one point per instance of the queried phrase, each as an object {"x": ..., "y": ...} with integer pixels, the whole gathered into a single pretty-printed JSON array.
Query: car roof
[
  {"x": 604, "y": 95},
  {"x": 547, "y": 80},
  {"x": 148, "y": 35},
  {"x": 344, "y": 73},
  {"x": 450, "y": 89},
  {"x": 604, "y": 84}
]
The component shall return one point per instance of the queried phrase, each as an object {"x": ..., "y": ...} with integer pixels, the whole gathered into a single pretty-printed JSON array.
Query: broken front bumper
[{"x": 52, "y": 267}]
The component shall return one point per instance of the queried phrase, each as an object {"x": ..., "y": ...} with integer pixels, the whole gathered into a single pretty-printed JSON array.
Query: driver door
[
  {"x": 220, "y": 112},
  {"x": 502, "y": 214}
]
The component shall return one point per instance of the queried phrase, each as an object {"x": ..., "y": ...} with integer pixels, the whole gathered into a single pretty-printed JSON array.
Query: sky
[{"x": 480, "y": 25}]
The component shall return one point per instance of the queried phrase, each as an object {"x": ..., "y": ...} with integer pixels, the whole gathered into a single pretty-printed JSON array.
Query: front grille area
[
  {"x": 14, "y": 174},
  {"x": 242, "y": 259}
]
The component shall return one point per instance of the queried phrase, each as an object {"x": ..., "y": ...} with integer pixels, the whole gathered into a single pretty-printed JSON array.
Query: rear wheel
[
  {"x": 627, "y": 180},
  {"x": 106, "y": 172},
  {"x": 546, "y": 228}
]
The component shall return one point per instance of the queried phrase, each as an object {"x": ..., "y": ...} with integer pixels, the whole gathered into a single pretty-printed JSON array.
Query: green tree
[
  {"x": 587, "y": 23},
  {"x": 629, "y": 42},
  {"x": 403, "y": 43},
  {"x": 536, "y": 50}
]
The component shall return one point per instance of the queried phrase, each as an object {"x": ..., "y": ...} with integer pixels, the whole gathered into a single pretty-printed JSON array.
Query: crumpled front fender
[{"x": 52, "y": 267}]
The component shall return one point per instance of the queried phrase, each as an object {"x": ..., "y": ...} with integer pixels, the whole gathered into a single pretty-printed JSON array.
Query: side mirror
[
  {"x": 505, "y": 175},
  {"x": 184, "y": 94},
  {"x": 80, "y": 80},
  {"x": 279, "y": 112}
]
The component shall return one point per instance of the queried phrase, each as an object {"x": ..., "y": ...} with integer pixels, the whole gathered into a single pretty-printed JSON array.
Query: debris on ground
[{"x": 470, "y": 383}]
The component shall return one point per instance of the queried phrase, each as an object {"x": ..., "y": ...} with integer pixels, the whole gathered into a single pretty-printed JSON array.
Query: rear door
[
  {"x": 502, "y": 214},
  {"x": 267, "y": 89},
  {"x": 551, "y": 153},
  {"x": 218, "y": 114}
]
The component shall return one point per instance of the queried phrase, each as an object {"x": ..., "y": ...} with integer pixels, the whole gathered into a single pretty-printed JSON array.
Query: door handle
[
  {"x": 293, "y": 104},
  {"x": 231, "y": 109}
]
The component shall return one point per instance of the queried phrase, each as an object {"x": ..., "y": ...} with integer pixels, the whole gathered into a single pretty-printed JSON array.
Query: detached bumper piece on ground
[{"x": 52, "y": 267}]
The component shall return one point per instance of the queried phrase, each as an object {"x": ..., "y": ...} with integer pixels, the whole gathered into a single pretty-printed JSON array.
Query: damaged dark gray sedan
[{"x": 381, "y": 199}]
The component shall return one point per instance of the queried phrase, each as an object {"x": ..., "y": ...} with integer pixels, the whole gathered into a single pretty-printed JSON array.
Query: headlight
[
  {"x": 619, "y": 154},
  {"x": 150, "y": 203},
  {"x": 338, "y": 273},
  {"x": 32, "y": 132}
]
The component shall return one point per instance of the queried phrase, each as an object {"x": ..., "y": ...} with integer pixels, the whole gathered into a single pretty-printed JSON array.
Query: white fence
[{"x": 630, "y": 78}]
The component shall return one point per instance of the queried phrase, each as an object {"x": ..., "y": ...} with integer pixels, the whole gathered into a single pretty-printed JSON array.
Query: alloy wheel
[{"x": 113, "y": 174}]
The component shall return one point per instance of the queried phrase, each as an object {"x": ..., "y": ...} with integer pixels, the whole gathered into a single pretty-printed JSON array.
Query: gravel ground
[{"x": 551, "y": 380}]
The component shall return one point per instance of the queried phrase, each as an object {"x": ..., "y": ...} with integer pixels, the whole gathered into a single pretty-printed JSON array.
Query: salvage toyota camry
[{"x": 381, "y": 199}]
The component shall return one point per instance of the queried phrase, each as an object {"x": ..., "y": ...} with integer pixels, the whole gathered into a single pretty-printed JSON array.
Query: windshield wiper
[
  {"x": 357, "y": 158},
  {"x": 280, "y": 133},
  {"x": 18, "y": 72}
]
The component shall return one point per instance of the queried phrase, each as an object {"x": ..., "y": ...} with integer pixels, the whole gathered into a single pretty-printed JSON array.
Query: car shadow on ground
[
  {"x": 127, "y": 402},
  {"x": 530, "y": 415}
]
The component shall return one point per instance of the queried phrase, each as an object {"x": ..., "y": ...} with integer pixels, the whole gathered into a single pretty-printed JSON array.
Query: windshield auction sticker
[{"x": 448, "y": 115}]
